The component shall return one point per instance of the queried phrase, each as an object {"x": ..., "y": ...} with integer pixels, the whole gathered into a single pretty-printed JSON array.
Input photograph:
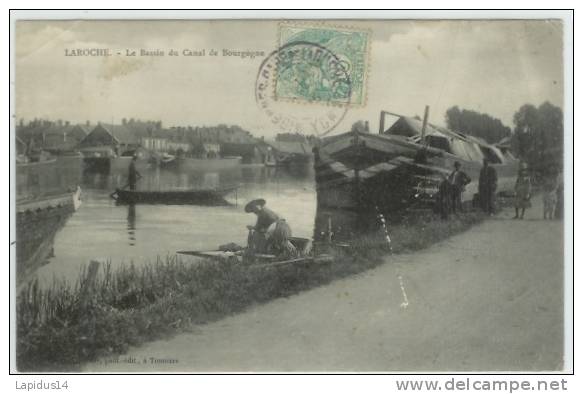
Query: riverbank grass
[{"x": 106, "y": 311}]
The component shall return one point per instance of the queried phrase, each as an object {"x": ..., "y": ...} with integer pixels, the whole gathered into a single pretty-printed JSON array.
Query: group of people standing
[
  {"x": 452, "y": 187},
  {"x": 552, "y": 190}
]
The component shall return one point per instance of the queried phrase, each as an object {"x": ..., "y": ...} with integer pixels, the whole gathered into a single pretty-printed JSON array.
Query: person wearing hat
[
  {"x": 458, "y": 180},
  {"x": 522, "y": 189},
  {"x": 133, "y": 174},
  {"x": 271, "y": 233}
]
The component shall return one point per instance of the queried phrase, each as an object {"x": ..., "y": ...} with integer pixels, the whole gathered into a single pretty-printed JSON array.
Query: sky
[{"x": 487, "y": 66}]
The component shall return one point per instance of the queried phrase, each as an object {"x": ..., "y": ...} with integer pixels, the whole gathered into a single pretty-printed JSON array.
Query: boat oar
[{"x": 114, "y": 194}]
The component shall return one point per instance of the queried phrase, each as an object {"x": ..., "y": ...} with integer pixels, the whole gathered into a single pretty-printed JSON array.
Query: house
[
  {"x": 234, "y": 135},
  {"x": 236, "y": 141},
  {"x": 120, "y": 139},
  {"x": 211, "y": 148},
  {"x": 205, "y": 142},
  {"x": 178, "y": 146},
  {"x": 55, "y": 137},
  {"x": 65, "y": 138},
  {"x": 288, "y": 152},
  {"x": 154, "y": 143}
]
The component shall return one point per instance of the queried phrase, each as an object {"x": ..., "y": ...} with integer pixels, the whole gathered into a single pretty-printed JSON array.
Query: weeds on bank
[{"x": 60, "y": 327}]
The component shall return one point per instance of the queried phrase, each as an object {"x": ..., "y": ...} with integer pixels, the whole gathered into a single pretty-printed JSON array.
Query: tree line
[
  {"x": 537, "y": 138},
  {"x": 476, "y": 124}
]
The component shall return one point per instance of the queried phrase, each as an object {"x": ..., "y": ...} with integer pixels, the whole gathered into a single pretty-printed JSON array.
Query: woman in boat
[
  {"x": 271, "y": 233},
  {"x": 522, "y": 189}
]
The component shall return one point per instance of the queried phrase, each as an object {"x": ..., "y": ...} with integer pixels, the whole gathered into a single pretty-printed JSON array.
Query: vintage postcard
[{"x": 286, "y": 195}]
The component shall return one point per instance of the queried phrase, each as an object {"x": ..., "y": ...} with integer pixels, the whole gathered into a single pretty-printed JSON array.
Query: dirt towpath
[{"x": 488, "y": 299}]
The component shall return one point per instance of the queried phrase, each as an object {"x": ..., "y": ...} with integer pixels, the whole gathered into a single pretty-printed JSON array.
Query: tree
[
  {"x": 538, "y": 137},
  {"x": 476, "y": 124},
  {"x": 525, "y": 121}
]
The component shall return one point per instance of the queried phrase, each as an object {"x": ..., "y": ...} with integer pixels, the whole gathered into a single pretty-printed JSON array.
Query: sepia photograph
[{"x": 290, "y": 195}]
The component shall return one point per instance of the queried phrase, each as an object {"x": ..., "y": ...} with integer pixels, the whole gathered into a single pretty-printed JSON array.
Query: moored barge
[{"x": 401, "y": 166}]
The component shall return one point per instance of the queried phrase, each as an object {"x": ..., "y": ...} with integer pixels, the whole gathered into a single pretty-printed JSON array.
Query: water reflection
[
  {"x": 35, "y": 238},
  {"x": 102, "y": 230},
  {"x": 132, "y": 224},
  {"x": 97, "y": 180},
  {"x": 39, "y": 179}
]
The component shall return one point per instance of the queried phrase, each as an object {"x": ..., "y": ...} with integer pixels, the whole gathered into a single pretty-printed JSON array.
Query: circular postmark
[{"x": 304, "y": 88}]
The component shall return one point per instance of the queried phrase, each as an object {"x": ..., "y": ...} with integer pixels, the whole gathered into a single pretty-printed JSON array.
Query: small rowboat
[
  {"x": 212, "y": 197},
  {"x": 307, "y": 256}
]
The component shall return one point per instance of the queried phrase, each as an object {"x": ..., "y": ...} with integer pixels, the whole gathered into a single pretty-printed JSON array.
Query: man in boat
[
  {"x": 458, "y": 180},
  {"x": 133, "y": 174},
  {"x": 487, "y": 185},
  {"x": 271, "y": 233}
]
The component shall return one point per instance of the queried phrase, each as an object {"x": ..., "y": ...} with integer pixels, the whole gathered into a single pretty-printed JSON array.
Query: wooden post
[
  {"x": 425, "y": 119},
  {"x": 329, "y": 235},
  {"x": 382, "y": 123},
  {"x": 357, "y": 190},
  {"x": 88, "y": 285}
]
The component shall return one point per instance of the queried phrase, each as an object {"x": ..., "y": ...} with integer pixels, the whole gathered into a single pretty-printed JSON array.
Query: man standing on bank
[
  {"x": 487, "y": 186},
  {"x": 271, "y": 233},
  {"x": 444, "y": 197},
  {"x": 133, "y": 174},
  {"x": 458, "y": 180}
]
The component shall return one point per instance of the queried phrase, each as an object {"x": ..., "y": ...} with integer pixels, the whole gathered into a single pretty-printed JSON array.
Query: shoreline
[
  {"x": 135, "y": 306},
  {"x": 472, "y": 302}
]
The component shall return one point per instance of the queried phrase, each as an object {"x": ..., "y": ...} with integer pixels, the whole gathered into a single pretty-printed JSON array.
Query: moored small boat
[
  {"x": 307, "y": 255},
  {"x": 196, "y": 164},
  {"x": 37, "y": 222},
  {"x": 174, "y": 197}
]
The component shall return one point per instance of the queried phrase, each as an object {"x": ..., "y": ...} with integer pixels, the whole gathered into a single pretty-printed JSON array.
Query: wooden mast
[{"x": 425, "y": 118}]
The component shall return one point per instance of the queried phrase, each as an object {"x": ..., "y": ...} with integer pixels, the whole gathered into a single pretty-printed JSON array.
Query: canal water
[{"x": 103, "y": 230}]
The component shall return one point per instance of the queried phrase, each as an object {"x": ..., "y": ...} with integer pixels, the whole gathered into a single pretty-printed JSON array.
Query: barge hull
[{"x": 363, "y": 171}]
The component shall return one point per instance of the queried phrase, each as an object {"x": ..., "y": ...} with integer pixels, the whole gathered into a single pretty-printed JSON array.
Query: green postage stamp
[{"x": 335, "y": 70}]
